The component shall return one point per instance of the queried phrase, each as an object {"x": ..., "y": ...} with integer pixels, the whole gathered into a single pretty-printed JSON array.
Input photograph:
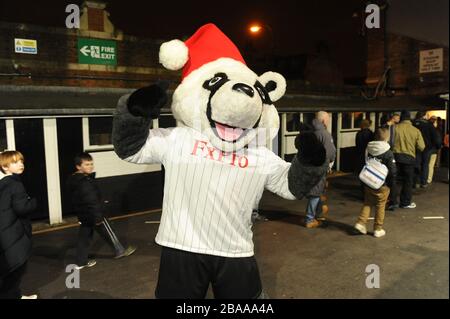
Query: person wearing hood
[
  {"x": 314, "y": 205},
  {"x": 380, "y": 150},
  {"x": 86, "y": 202},
  {"x": 15, "y": 226}
]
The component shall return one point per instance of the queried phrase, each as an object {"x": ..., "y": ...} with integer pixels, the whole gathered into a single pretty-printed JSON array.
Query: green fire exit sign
[{"x": 94, "y": 51}]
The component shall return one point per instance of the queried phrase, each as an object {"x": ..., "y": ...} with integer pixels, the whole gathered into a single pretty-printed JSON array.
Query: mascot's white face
[{"x": 229, "y": 103}]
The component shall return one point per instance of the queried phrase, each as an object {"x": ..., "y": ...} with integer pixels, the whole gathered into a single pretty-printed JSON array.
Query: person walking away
[{"x": 378, "y": 149}]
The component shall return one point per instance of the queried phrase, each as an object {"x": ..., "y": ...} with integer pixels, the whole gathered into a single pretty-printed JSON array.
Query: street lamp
[{"x": 256, "y": 29}]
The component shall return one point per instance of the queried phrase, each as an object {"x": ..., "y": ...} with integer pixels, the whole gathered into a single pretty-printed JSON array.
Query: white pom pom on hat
[{"x": 173, "y": 55}]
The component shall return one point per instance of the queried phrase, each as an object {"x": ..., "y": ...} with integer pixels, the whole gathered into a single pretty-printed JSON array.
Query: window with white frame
[
  {"x": 352, "y": 120},
  {"x": 97, "y": 133}
]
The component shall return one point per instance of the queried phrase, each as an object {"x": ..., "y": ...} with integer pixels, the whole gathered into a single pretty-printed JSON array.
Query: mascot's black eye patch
[
  {"x": 263, "y": 93},
  {"x": 216, "y": 82}
]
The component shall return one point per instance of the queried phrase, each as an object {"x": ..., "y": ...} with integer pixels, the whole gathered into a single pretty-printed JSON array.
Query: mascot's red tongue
[{"x": 227, "y": 133}]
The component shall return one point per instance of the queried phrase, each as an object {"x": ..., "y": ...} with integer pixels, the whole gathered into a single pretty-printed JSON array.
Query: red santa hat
[{"x": 208, "y": 44}]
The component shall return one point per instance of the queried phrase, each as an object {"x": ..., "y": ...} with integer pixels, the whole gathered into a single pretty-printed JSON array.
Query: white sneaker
[
  {"x": 379, "y": 233},
  {"x": 361, "y": 228},
  {"x": 412, "y": 205},
  {"x": 91, "y": 263},
  {"x": 29, "y": 297}
]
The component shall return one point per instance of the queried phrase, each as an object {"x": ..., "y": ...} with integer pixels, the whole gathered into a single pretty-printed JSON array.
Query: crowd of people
[{"x": 409, "y": 149}]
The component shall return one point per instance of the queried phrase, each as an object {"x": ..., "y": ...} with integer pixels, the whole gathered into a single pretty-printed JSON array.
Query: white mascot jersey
[{"x": 216, "y": 162}]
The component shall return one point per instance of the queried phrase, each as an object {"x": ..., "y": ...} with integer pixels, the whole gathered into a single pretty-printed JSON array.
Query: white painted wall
[
  {"x": 347, "y": 139},
  {"x": 108, "y": 164}
]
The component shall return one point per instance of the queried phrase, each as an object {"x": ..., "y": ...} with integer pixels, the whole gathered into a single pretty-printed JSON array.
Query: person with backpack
[{"x": 378, "y": 176}]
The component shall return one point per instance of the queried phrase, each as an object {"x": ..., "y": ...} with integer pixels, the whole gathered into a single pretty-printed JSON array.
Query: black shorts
[{"x": 186, "y": 275}]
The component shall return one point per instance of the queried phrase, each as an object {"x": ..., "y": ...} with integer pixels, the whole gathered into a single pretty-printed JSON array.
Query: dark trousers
[
  {"x": 86, "y": 234},
  {"x": 406, "y": 171},
  {"x": 10, "y": 284},
  {"x": 187, "y": 275}
]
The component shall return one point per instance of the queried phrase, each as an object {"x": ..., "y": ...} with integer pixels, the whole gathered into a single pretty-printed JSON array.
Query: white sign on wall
[{"x": 431, "y": 61}]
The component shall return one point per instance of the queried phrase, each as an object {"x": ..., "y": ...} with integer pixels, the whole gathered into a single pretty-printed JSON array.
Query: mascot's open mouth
[{"x": 228, "y": 133}]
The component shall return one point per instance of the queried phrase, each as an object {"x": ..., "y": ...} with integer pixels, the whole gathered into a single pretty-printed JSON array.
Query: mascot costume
[{"x": 216, "y": 162}]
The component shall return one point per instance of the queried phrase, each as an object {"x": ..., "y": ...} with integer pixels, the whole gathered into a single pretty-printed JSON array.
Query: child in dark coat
[
  {"x": 380, "y": 150},
  {"x": 87, "y": 204},
  {"x": 15, "y": 226}
]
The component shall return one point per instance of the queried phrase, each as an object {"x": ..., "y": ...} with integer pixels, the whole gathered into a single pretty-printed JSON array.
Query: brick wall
[
  {"x": 403, "y": 58},
  {"x": 57, "y": 60}
]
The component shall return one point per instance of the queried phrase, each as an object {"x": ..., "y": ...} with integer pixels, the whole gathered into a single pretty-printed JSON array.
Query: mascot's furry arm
[
  {"x": 309, "y": 165},
  {"x": 133, "y": 118}
]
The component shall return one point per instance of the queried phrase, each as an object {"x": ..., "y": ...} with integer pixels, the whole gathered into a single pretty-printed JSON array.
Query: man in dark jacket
[
  {"x": 15, "y": 226},
  {"x": 432, "y": 144},
  {"x": 363, "y": 137},
  {"x": 86, "y": 203},
  {"x": 314, "y": 205}
]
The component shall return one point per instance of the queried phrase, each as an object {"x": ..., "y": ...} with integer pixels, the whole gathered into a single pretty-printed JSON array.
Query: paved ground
[{"x": 294, "y": 262}]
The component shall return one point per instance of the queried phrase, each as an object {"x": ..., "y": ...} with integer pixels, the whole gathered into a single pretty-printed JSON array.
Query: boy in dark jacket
[
  {"x": 380, "y": 150},
  {"x": 87, "y": 204},
  {"x": 15, "y": 226}
]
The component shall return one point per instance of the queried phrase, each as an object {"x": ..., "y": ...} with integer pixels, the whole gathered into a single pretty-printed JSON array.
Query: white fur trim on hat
[{"x": 173, "y": 55}]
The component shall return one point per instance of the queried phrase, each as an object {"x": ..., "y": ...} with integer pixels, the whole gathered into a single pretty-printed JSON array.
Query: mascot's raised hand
[
  {"x": 134, "y": 115},
  {"x": 148, "y": 101}
]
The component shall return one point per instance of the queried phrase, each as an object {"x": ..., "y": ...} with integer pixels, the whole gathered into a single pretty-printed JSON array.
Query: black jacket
[
  {"x": 382, "y": 152},
  {"x": 363, "y": 137},
  {"x": 85, "y": 198},
  {"x": 15, "y": 225},
  {"x": 430, "y": 135},
  {"x": 327, "y": 141}
]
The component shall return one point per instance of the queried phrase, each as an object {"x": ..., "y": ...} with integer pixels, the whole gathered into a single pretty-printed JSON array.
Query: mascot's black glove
[
  {"x": 310, "y": 150},
  {"x": 133, "y": 118},
  {"x": 148, "y": 101},
  {"x": 309, "y": 166}
]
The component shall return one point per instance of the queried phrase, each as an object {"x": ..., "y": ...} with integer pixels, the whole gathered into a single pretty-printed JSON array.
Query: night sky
[{"x": 297, "y": 25}]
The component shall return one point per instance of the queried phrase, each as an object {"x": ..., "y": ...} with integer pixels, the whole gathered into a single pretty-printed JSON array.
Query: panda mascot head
[{"x": 219, "y": 95}]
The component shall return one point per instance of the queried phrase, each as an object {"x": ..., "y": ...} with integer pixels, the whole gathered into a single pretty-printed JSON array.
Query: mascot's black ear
[
  {"x": 148, "y": 101},
  {"x": 275, "y": 85}
]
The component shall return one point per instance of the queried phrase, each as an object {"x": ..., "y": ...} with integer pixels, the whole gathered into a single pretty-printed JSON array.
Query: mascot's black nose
[{"x": 244, "y": 88}]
